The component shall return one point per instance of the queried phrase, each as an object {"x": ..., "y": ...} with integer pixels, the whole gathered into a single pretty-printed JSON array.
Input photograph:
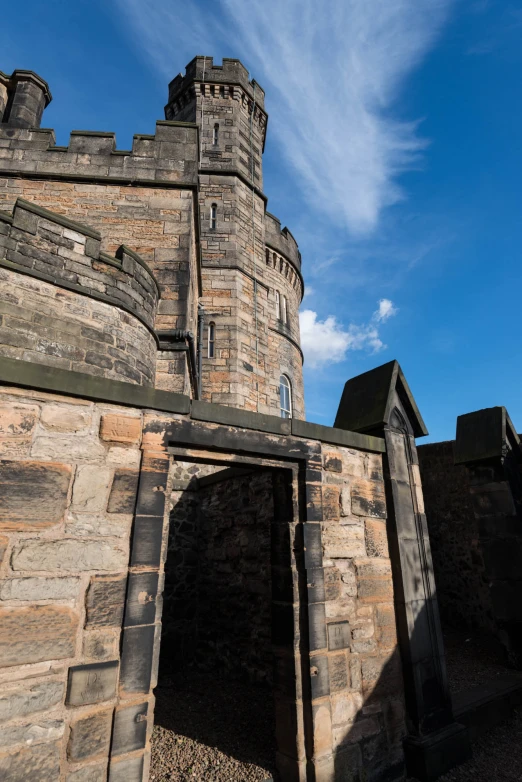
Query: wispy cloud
[
  {"x": 328, "y": 341},
  {"x": 332, "y": 72}
]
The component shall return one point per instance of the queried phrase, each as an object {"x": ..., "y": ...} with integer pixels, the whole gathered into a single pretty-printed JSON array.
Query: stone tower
[{"x": 251, "y": 269}]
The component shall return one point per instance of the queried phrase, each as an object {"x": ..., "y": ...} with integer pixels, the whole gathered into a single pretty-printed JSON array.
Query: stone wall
[
  {"x": 460, "y": 574},
  {"x": 142, "y": 198},
  {"x": 69, "y": 475},
  {"x": 66, "y": 305},
  {"x": 360, "y": 662}
]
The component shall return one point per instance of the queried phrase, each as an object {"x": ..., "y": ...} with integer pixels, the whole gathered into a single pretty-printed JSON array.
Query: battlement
[
  {"x": 281, "y": 240},
  {"x": 170, "y": 155},
  {"x": 231, "y": 72},
  {"x": 51, "y": 247}
]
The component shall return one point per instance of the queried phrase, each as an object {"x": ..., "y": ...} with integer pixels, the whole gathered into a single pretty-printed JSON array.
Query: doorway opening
[{"x": 228, "y": 578}]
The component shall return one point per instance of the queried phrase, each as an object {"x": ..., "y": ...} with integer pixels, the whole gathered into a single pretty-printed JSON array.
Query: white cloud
[
  {"x": 327, "y": 341},
  {"x": 386, "y": 310},
  {"x": 332, "y": 72}
]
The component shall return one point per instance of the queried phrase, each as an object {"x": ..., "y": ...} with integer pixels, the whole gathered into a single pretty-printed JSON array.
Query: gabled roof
[
  {"x": 368, "y": 400},
  {"x": 484, "y": 434}
]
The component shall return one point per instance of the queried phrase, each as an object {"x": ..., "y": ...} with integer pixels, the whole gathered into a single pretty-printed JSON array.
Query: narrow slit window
[
  {"x": 284, "y": 316},
  {"x": 211, "y": 340},
  {"x": 215, "y": 135},
  {"x": 285, "y": 397},
  {"x": 278, "y": 305},
  {"x": 213, "y": 214}
]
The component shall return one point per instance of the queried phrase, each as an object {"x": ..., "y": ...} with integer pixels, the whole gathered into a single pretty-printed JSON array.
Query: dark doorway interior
[{"x": 214, "y": 716}]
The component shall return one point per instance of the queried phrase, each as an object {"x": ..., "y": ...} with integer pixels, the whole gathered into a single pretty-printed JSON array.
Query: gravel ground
[
  {"x": 472, "y": 659},
  {"x": 212, "y": 730},
  {"x": 497, "y": 756}
]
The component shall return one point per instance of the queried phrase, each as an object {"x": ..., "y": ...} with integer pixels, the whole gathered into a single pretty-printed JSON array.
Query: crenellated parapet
[
  {"x": 168, "y": 156},
  {"x": 63, "y": 301},
  {"x": 282, "y": 253},
  {"x": 231, "y": 73}
]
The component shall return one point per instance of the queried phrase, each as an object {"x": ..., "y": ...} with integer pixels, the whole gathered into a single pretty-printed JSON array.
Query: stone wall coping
[
  {"x": 123, "y": 249},
  {"x": 63, "y": 381},
  {"x": 484, "y": 434},
  {"x": 54, "y": 217},
  {"x": 22, "y": 75},
  {"x": 5, "y": 218}
]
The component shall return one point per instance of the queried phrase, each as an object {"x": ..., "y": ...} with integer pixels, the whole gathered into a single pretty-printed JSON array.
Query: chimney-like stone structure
[{"x": 23, "y": 98}]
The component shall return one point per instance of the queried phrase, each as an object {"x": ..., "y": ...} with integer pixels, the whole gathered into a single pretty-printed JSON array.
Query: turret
[
  {"x": 229, "y": 108},
  {"x": 23, "y": 98}
]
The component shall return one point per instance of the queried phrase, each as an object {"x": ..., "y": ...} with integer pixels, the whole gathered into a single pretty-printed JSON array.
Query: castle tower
[{"x": 251, "y": 278}]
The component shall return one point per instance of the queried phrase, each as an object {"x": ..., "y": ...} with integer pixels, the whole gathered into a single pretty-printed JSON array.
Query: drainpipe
[{"x": 201, "y": 321}]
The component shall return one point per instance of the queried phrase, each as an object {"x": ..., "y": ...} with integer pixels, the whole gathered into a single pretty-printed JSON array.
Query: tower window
[
  {"x": 215, "y": 135},
  {"x": 284, "y": 315},
  {"x": 211, "y": 340},
  {"x": 213, "y": 214},
  {"x": 285, "y": 397},
  {"x": 278, "y": 305}
]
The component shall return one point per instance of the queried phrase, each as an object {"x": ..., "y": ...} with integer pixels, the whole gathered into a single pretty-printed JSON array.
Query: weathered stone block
[
  {"x": 122, "y": 498},
  {"x": 33, "y": 495},
  {"x": 91, "y": 773},
  {"x": 127, "y": 770},
  {"x": 137, "y": 658},
  {"x": 3, "y": 547},
  {"x": 343, "y": 542},
  {"x": 346, "y": 707},
  {"x": 90, "y": 489},
  {"x": 100, "y": 645},
  {"x": 140, "y": 608},
  {"x": 68, "y": 555},
  {"x": 29, "y": 635},
  {"x": 338, "y": 668},
  {"x": 66, "y": 418},
  {"x": 92, "y": 683},
  {"x": 120, "y": 428},
  {"x": 331, "y": 503},
  {"x": 346, "y": 501},
  {"x": 98, "y": 524},
  {"x": 40, "y": 763},
  {"x": 39, "y": 588},
  {"x": 17, "y": 423},
  {"x": 333, "y": 462},
  {"x": 130, "y": 729},
  {"x": 338, "y": 635},
  {"x": 35, "y": 733},
  {"x": 105, "y": 601},
  {"x": 376, "y": 538},
  {"x": 368, "y": 499},
  {"x": 28, "y": 698},
  {"x": 90, "y": 736}
]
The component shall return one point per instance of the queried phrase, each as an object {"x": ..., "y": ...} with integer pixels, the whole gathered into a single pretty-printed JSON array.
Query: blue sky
[{"x": 394, "y": 155}]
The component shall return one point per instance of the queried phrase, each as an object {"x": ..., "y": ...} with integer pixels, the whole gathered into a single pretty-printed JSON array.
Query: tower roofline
[{"x": 231, "y": 71}]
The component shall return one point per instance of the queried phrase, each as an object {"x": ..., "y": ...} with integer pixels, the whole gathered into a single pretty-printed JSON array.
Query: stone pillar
[
  {"x": 29, "y": 96},
  {"x": 380, "y": 402},
  {"x": 488, "y": 445}
]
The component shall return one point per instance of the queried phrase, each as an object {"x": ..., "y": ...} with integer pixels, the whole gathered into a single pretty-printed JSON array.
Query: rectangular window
[
  {"x": 278, "y": 305},
  {"x": 284, "y": 317},
  {"x": 211, "y": 339}
]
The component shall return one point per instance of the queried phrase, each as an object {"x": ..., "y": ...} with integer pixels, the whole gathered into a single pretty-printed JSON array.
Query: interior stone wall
[
  {"x": 216, "y": 608},
  {"x": 458, "y": 559}
]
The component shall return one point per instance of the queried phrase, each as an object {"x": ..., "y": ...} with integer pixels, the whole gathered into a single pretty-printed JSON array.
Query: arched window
[
  {"x": 215, "y": 135},
  {"x": 211, "y": 340},
  {"x": 278, "y": 305},
  {"x": 285, "y": 397},
  {"x": 284, "y": 315},
  {"x": 213, "y": 213}
]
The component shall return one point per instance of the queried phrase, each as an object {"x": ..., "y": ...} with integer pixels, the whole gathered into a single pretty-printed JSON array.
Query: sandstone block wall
[
  {"x": 460, "y": 573},
  {"x": 69, "y": 471},
  {"x": 66, "y": 305},
  {"x": 142, "y": 198}
]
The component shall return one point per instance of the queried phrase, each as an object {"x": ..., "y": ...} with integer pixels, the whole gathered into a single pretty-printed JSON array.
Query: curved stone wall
[{"x": 65, "y": 304}]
